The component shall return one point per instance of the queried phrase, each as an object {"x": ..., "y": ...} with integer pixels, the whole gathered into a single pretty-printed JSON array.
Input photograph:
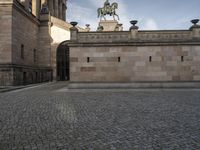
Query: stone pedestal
[{"x": 108, "y": 25}]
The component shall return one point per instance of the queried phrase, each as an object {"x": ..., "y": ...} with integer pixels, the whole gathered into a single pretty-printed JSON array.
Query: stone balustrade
[
  {"x": 135, "y": 35},
  {"x": 142, "y": 36},
  {"x": 99, "y": 37}
]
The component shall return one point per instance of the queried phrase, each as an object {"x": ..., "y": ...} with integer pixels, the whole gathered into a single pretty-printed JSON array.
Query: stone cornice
[
  {"x": 136, "y": 37},
  {"x": 6, "y": 2},
  {"x": 8, "y": 65},
  {"x": 70, "y": 44}
]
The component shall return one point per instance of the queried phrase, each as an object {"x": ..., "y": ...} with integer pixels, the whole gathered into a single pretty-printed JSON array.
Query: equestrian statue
[{"x": 108, "y": 9}]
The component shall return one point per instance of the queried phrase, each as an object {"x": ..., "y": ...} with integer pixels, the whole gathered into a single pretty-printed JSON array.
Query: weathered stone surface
[
  {"x": 108, "y": 25},
  {"x": 134, "y": 65},
  {"x": 42, "y": 33}
]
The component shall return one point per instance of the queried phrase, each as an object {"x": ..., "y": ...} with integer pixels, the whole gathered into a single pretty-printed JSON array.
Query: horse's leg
[
  {"x": 117, "y": 16},
  {"x": 104, "y": 17},
  {"x": 113, "y": 16}
]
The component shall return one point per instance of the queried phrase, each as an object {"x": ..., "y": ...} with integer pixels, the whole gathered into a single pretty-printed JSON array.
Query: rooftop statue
[{"x": 108, "y": 9}]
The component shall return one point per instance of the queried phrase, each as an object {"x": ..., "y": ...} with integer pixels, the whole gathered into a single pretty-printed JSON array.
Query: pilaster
[
  {"x": 73, "y": 31},
  {"x": 134, "y": 29},
  {"x": 195, "y": 29}
]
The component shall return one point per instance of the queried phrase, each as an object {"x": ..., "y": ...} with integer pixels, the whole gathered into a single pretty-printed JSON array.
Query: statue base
[{"x": 109, "y": 25}]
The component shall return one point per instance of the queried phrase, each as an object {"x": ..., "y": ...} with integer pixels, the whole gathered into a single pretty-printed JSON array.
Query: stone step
[{"x": 133, "y": 85}]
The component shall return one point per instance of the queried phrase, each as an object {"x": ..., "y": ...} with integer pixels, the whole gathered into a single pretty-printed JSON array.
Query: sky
[{"x": 151, "y": 14}]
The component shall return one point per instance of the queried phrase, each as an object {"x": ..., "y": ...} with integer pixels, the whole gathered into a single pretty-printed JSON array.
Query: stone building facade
[
  {"x": 30, "y": 32},
  {"x": 38, "y": 45},
  {"x": 135, "y": 55}
]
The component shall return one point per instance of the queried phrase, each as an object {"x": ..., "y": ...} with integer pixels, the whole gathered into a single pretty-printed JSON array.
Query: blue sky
[{"x": 151, "y": 14}]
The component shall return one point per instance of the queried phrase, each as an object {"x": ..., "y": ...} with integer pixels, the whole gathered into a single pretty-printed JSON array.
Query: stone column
[
  {"x": 56, "y": 9},
  {"x": 36, "y": 8},
  {"x": 50, "y": 3},
  {"x": 60, "y": 9},
  {"x": 64, "y": 12},
  {"x": 44, "y": 39}
]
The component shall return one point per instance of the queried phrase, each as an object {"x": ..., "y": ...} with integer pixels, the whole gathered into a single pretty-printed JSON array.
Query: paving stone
[{"x": 47, "y": 117}]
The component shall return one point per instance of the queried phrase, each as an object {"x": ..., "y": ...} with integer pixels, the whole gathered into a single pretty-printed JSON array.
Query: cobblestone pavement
[{"x": 49, "y": 117}]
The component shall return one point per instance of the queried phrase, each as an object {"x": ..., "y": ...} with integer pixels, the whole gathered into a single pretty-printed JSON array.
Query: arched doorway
[{"x": 63, "y": 63}]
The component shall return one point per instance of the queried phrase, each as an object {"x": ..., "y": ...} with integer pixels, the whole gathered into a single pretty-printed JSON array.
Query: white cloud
[
  {"x": 80, "y": 14},
  {"x": 96, "y": 3},
  {"x": 150, "y": 24}
]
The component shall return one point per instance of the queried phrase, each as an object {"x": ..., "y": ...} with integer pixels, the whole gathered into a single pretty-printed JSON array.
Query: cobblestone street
[{"x": 49, "y": 117}]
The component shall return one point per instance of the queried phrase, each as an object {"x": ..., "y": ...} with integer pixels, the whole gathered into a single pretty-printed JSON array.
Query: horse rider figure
[{"x": 107, "y": 7}]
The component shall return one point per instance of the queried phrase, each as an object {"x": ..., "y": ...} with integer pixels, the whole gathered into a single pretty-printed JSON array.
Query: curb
[
  {"x": 135, "y": 85},
  {"x": 13, "y": 88}
]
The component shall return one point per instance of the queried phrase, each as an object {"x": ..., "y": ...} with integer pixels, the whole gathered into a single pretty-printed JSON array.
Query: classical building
[
  {"x": 135, "y": 55},
  {"x": 30, "y": 32},
  {"x": 36, "y": 45}
]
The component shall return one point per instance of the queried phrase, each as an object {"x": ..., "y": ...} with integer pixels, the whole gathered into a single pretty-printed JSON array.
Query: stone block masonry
[
  {"x": 22, "y": 60},
  {"x": 137, "y": 63},
  {"x": 135, "y": 56}
]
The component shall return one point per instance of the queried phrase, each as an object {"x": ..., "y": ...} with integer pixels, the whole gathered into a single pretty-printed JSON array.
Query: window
[
  {"x": 182, "y": 58},
  {"x": 119, "y": 59},
  {"x": 88, "y": 59},
  {"x": 22, "y": 51},
  {"x": 150, "y": 58},
  {"x": 34, "y": 55}
]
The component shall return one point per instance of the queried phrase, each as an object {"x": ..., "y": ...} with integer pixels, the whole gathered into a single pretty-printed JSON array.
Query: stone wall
[
  {"x": 5, "y": 32},
  {"x": 24, "y": 32},
  {"x": 6, "y": 77},
  {"x": 19, "y": 27},
  {"x": 135, "y": 56},
  {"x": 135, "y": 63}
]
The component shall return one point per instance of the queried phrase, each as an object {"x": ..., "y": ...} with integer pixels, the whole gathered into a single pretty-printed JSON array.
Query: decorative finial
[
  {"x": 195, "y": 21},
  {"x": 73, "y": 23},
  {"x": 134, "y": 22},
  {"x": 195, "y": 24},
  {"x": 87, "y": 27}
]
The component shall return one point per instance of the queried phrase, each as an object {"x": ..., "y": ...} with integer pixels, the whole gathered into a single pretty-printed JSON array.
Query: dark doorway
[{"x": 63, "y": 63}]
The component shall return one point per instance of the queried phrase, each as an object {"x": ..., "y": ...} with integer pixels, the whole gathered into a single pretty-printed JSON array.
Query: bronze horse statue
[{"x": 108, "y": 10}]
